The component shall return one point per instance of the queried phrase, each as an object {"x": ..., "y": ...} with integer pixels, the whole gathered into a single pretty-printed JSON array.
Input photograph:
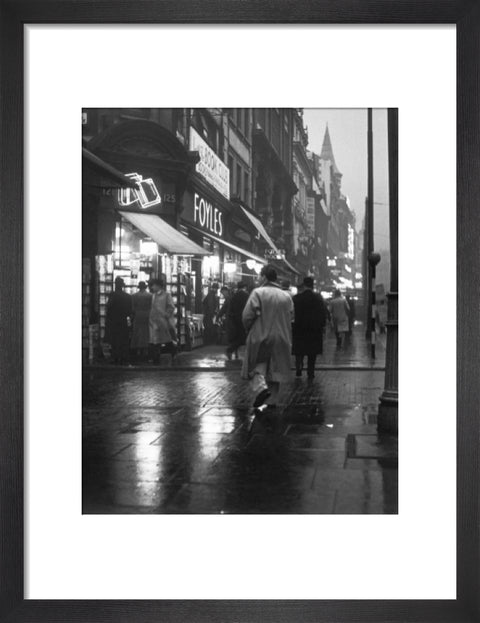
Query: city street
[{"x": 182, "y": 438}]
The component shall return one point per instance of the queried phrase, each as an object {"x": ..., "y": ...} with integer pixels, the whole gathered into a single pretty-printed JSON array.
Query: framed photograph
[{"x": 85, "y": 546}]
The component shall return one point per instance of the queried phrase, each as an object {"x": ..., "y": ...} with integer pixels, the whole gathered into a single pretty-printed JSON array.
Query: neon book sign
[{"x": 145, "y": 195}]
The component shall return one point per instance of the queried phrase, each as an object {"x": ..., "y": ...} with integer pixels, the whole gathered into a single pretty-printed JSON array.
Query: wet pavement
[
  {"x": 184, "y": 439},
  {"x": 355, "y": 353}
]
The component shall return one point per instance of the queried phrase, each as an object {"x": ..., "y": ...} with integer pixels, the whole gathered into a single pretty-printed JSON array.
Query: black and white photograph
[
  {"x": 239, "y": 311},
  {"x": 202, "y": 356}
]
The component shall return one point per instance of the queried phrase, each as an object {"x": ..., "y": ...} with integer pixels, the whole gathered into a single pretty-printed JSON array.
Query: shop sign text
[
  {"x": 210, "y": 166},
  {"x": 207, "y": 216}
]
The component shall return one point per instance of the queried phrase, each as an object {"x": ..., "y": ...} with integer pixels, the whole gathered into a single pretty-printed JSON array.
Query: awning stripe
[{"x": 167, "y": 237}]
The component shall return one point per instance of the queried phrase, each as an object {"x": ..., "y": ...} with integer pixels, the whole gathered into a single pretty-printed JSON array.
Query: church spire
[{"x": 327, "y": 150}]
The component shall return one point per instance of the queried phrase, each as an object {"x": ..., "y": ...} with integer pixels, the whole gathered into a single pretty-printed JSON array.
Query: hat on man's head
[
  {"x": 308, "y": 282},
  {"x": 142, "y": 285},
  {"x": 119, "y": 281},
  {"x": 214, "y": 286}
]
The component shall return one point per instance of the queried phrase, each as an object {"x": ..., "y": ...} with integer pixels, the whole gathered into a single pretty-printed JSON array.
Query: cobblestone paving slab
[{"x": 183, "y": 442}]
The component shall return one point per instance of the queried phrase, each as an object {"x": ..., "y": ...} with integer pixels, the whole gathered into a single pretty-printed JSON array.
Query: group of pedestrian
[
  {"x": 138, "y": 326},
  {"x": 271, "y": 322},
  {"x": 279, "y": 325}
]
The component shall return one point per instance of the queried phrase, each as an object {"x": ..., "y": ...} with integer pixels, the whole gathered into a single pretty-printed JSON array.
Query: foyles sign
[
  {"x": 206, "y": 215},
  {"x": 210, "y": 166}
]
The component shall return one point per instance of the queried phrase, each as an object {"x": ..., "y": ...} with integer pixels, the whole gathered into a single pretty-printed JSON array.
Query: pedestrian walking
[
  {"x": 267, "y": 318},
  {"x": 339, "y": 311},
  {"x": 308, "y": 326},
  {"x": 162, "y": 321},
  {"x": 223, "y": 316},
  {"x": 351, "y": 313},
  {"x": 210, "y": 306},
  {"x": 141, "y": 304},
  {"x": 118, "y": 321},
  {"x": 236, "y": 335}
]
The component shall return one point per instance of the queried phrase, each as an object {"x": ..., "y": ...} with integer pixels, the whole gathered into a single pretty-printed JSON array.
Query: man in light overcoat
[{"x": 267, "y": 318}]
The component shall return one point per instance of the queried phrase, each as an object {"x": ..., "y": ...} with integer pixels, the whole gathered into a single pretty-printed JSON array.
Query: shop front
[
  {"x": 130, "y": 225},
  {"x": 219, "y": 226}
]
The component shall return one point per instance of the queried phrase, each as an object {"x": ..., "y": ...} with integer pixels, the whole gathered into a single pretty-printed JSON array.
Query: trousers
[{"x": 259, "y": 382}]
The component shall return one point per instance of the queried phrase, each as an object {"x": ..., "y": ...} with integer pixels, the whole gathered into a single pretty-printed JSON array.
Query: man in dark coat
[
  {"x": 210, "y": 310},
  {"x": 307, "y": 330},
  {"x": 236, "y": 331},
  {"x": 117, "y": 322}
]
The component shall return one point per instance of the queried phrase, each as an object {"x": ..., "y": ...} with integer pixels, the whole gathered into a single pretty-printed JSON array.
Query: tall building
[
  {"x": 303, "y": 210},
  {"x": 341, "y": 225},
  {"x": 317, "y": 205},
  {"x": 273, "y": 184}
]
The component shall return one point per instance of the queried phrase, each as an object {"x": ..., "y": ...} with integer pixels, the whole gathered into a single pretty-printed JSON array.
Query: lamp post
[
  {"x": 388, "y": 410},
  {"x": 369, "y": 218}
]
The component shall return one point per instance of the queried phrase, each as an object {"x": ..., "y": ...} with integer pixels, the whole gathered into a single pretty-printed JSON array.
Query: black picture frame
[{"x": 466, "y": 15}]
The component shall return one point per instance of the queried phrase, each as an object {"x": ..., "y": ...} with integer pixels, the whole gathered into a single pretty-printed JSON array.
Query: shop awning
[
  {"x": 106, "y": 169},
  {"x": 167, "y": 237},
  {"x": 257, "y": 223},
  {"x": 290, "y": 267},
  {"x": 263, "y": 232},
  {"x": 249, "y": 254}
]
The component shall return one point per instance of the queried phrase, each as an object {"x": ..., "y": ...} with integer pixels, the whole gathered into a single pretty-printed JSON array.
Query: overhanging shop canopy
[
  {"x": 167, "y": 237},
  {"x": 290, "y": 267},
  {"x": 257, "y": 258},
  {"x": 263, "y": 232},
  {"x": 261, "y": 229}
]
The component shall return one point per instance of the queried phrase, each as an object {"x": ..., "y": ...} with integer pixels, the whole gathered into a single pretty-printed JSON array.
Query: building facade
[
  {"x": 341, "y": 220},
  {"x": 303, "y": 207},
  {"x": 196, "y": 196}
]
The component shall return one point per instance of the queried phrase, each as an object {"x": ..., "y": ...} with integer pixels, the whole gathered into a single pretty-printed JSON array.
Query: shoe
[
  {"x": 298, "y": 373},
  {"x": 261, "y": 397}
]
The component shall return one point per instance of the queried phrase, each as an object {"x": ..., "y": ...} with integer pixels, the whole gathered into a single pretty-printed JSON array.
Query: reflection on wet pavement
[{"x": 188, "y": 442}]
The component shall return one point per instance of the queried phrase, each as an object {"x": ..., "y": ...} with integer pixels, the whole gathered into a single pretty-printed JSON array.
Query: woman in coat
[
  {"x": 307, "y": 329},
  {"x": 162, "y": 320},
  {"x": 339, "y": 311},
  {"x": 267, "y": 318}
]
